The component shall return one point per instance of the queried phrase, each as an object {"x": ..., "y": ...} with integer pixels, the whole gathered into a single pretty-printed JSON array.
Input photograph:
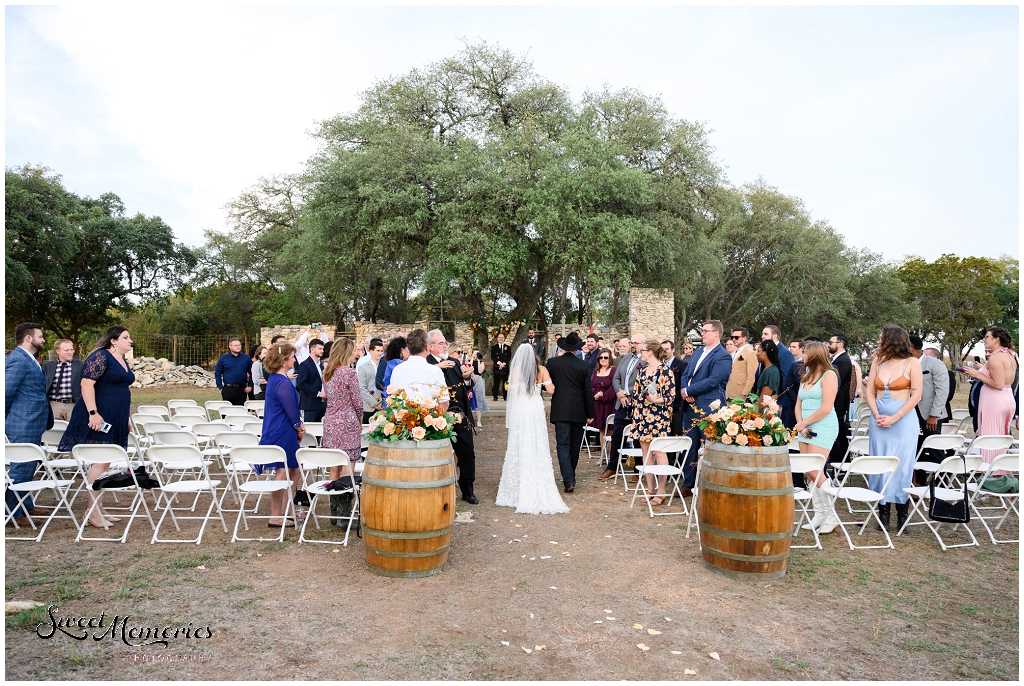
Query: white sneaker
[{"x": 479, "y": 425}]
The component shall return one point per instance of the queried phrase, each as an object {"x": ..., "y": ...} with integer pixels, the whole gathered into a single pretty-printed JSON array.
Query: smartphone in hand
[{"x": 105, "y": 427}]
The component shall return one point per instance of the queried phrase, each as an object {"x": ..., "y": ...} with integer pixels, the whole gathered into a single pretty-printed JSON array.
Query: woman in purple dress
[
  {"x": 282, "y": 426},
  {"x": 604, "y": 394},
  {"x": 343, "y": 419}
]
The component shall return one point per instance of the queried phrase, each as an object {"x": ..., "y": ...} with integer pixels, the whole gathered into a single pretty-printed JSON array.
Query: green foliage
[
  {"x": 71, "y": 259},
  {"x": 957, "y": 297}
]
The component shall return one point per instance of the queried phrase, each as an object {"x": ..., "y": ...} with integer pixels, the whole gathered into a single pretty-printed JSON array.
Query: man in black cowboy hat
[{"x": 572, "y": 405}]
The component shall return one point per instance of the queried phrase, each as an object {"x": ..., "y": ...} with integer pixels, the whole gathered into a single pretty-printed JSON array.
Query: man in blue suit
[
  {"x": 703, "y": 382},
  {"x": 310, "y": 383},
  {"x": 28, "y": 413}
]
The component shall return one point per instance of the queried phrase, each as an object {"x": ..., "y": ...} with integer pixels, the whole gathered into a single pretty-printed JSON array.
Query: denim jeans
[
  {"x": 568, "y": 440},
  {"x": 20, "y": 472}
]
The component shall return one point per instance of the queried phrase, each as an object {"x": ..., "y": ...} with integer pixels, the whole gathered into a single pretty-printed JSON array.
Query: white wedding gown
[{"x": 527, "y": 477}]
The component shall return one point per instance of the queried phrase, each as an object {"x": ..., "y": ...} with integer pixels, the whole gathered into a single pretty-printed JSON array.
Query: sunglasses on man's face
[{"x": 735, "y": 338}]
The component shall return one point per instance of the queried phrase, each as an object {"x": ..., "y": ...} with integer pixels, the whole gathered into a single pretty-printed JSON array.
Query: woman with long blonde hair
[
  {"x": 818, "y": 426},
  {"x": 344, "y": 416}
]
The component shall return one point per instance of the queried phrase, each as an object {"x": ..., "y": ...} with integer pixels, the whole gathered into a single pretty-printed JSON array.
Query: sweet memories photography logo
[{"x": 117, "y": 627}]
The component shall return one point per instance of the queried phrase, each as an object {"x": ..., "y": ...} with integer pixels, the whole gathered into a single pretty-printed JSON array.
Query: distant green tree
[{"x": 1007, "y": 295}]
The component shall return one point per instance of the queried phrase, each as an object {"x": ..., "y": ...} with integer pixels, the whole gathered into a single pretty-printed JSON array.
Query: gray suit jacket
[
  {"x": 619, "y": 380},
  {"x": 50, "y": 367},
  {"x": 935, "y": 388},
  {"x": 367, "y": 375}
]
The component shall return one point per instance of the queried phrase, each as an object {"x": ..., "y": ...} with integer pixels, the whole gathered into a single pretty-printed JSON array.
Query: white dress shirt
[{"x": 416, "y": 374}]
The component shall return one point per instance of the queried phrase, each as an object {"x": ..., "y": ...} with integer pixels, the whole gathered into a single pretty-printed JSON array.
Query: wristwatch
[{"x": 92, "y": 412}]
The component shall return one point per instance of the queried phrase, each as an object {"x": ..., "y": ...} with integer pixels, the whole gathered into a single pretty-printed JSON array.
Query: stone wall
[
  {"x": 652, "y": 313},
  {"x": 366, "y": 330}
]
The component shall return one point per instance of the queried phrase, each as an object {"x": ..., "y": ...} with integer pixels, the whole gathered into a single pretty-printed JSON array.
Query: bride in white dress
[{"x": 527, "y": 477}]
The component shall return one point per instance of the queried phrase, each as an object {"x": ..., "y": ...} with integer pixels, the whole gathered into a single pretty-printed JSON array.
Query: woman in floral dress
[
  {"x": 653, "y": 392},
  {"x": 343, "y": 420}
]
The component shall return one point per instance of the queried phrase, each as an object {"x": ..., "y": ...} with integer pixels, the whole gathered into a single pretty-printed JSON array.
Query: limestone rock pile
[{"x": 150, "y": 371}]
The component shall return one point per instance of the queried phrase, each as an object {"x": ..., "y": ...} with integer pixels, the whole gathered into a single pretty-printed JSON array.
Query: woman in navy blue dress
[
  {"x": 106, "y": 397},
  {"x": 282, "y": 426}
]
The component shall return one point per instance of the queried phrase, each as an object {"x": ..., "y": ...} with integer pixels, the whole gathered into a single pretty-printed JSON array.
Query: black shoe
[
  {"x": 471, "y": 499},
  {"x": 883, "y": 514},
  {"x": 902, "y": 513},
  {"x": 569, "y": 488}
]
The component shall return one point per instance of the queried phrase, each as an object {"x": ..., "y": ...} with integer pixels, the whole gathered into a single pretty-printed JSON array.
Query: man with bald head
[{"x": 622, "y": 384}]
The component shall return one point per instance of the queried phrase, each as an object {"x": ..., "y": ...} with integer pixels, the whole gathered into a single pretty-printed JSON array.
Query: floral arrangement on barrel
[
  {"x": 745, "y": 421},
  {"x": 411, "y": 417}
]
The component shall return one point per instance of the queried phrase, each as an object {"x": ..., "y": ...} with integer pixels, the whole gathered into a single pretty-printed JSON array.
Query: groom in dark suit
[
  {"x": 572, "y": 405},
  {"x": 501, "y": 355},
  {"x": 703, "y": 382}
]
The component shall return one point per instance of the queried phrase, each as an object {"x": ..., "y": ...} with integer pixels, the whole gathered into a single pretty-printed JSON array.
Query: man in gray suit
[
  {"x": 622, "y": 384},
  {"x": 366, "y": 372},
  {"x": 931, "y": 411}
]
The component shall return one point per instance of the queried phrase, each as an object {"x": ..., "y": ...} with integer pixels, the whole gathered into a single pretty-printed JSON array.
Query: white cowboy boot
[
  {"x": 831, "y": 519},
  {"x": 817, "y": 502}
]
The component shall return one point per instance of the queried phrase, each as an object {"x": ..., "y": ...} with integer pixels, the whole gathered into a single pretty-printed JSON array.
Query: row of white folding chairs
[{"x": 213, "y": 409}]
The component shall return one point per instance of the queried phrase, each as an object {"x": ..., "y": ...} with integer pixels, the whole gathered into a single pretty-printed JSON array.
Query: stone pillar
[{"x": 652, "y": 312}]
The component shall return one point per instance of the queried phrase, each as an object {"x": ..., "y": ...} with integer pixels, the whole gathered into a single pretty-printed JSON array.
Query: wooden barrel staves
[
  {"x": 745, "y": 510},
  {"x": 408, "y": 507}
]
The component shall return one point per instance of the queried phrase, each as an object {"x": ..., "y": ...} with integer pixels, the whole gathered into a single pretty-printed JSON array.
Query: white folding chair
[
  {"x": 624, "y": 452},
  {"x": 953, "y": 466},
  {"x": 591, "y": 433},
  {"x": 158, "y": 410},
  {"x": 316, "y": 430},
  {"x": 801, "y": 464},
  {"x": 19, "y": 453},
  {"x": 988, "y": 442},
  {"x": 213, "y": 408},
  {"x": 308, "y": 440},
  {"x": 960, "y": 414},
  {"x": 863, "y": 410},
  {"x": 863, "y": 466},
  {"x": 59, "y": 425},
  {"x": 229, "y": 411},
  {"x": 182, "y": 458},
  {"x": 224, "y": 443},
  {"x": 692, "y": 519},
  {"x": 253, "y": 427},
  {"x": 860, "y": 445},
  {"x": 205, "y": 431},
  {"x": 181, "y": 402},
  {"x": 187, "y": 421},
  {"x": 260, "y": 455},
  {"x": 89, "y": 454},
  {"x": 188, "y": 411},
  {"x": 64, "y": 465},
  {"x": 325, "y": 458},
  {"x": 609, "y": 425},
  {"x": 254, "y": 405},
  {"x": 937, "y": 442},
  {"x": 1009, "y": 462},
  {"x": 665, "y": 444}
]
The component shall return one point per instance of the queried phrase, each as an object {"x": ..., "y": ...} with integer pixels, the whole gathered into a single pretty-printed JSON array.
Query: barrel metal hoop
[
  {"x": 735, "y": 491},
  {"x": 730, "y": 468},
  {"x": 406, "y": 535},
  {"x": 744, "y": 576},
  {"x": 422, "y": 553},
  {"x": 748, "y": 558},
  {"x": 746, "y": 536},
  {"x": 408, "y": 463},
  {"x": 385, "y": 483}
]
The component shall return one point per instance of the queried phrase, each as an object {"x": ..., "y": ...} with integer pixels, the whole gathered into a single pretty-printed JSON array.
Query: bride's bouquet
[
  {"x": 742, "y": 421},
  {"x": 412, "y": 417}
]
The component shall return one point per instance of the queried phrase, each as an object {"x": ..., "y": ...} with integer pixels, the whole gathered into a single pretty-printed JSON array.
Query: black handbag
[
  {"x": 939, "y": 510},
  {"x": 124, "y": 480}
]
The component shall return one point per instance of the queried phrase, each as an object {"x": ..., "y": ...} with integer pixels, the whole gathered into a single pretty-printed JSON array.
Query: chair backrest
[
  {"x": 989, "y": 443},
  {"x": 806, "y": 462},
  {"x": 186, "y": 421},
  {"x": 955, "y": 465},
  {"x": 671, "y": 444},
  {"x": 965, "y": 423},
  {"x": 52, "y": 436},
  {"x": 610, "y": 422},
  {"x": 158, "y": 410},
  {"x": 153, "y": 427},
  {"x": 874, "y": 464},
  {"x": 1009, "y": 462},
  {"x": 254, "y": 404},
  {"x": 314, "y": 429},
  {"x": 253, "y": 427},
  {"x": 863, "y": 410},
  {"x": 188, "y": 410},
  {"x": 59, "y": 424},
  {"x": 99, "y": 453},
  {"x": 322, "y": 457},
  {"x": 627, "y": 431},
  {"x": 181, "y": 402},
  {"x": 231, "y": 439},
  {"x": 179, "y": 437},
  {"x": 960, "y": 414},
  {"x": 171, "y": 455},
  {"x": 943, "y": 442},
  {"x": 258, "y": 454},
  {"x": 210, "y": 428},
  {"x": 860, "y": 445},
  {"x": 209, "y": 404},
  {"x": 23, "y": 452},
  {"x": 233, "y": 411},
  {"x": 308, "y": 441}
]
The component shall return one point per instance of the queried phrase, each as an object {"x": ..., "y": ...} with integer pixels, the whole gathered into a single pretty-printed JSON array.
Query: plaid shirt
[{"x": 61, "y": 387}]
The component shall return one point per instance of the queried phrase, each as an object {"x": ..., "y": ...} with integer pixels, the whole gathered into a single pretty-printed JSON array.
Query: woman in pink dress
[
  {"x": 996, "y": 405},
  {"x": 343, "y": 420}
]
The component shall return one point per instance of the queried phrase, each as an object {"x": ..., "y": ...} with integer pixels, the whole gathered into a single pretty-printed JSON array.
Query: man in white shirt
[{"x": 416, "y": 375}]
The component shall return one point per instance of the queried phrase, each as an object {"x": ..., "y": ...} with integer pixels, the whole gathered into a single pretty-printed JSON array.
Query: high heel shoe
[{"x": 111, "y": 518}]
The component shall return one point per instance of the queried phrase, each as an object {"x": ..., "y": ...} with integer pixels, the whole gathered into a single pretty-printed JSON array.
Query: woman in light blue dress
[
  {"x": 818, "y": 426},
  {"x": 894, "y": 390}
]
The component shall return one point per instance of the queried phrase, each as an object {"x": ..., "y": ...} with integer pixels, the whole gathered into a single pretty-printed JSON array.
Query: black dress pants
[
  {"x": 623, "y": 418},
  {"x": 234, "y": 394},
  {"x": 465, "y": 456}
]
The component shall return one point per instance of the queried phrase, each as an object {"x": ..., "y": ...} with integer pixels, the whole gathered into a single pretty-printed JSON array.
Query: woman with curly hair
[
  {"x": 894, "y": 389},
  {"x": 654, "y": 390}
]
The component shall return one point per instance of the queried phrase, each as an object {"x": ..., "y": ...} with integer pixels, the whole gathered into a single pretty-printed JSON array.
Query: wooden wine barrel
[
  {"x": 745, "y": 510},
  {"x": 407, "y": 507}
]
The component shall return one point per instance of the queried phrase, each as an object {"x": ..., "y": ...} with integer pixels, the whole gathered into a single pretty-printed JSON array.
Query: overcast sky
[{"x": 898, "y": 125}]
